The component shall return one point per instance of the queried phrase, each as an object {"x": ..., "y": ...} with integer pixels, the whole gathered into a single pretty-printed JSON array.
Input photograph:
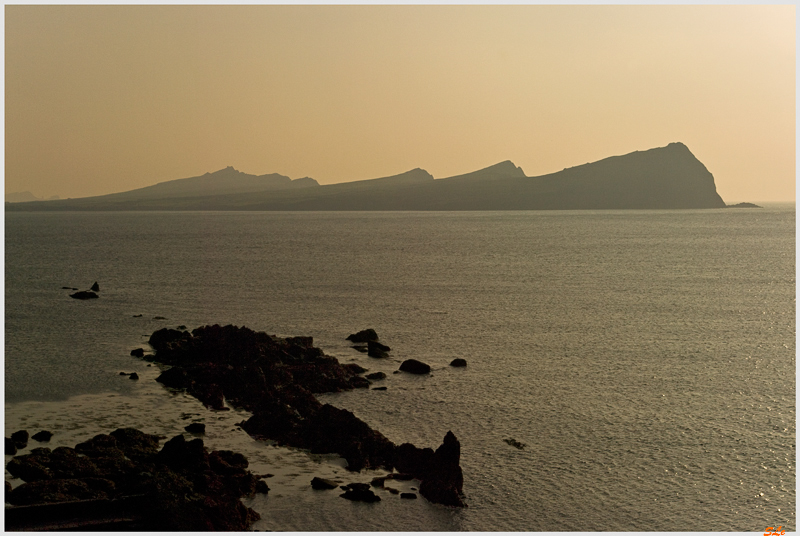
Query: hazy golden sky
[{"x": 101, "y": 99}]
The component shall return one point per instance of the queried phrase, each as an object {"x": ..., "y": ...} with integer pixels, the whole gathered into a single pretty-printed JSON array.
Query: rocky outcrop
[
  {"x": 186, "y": 488},
  {"x": 276, "y": 379}
]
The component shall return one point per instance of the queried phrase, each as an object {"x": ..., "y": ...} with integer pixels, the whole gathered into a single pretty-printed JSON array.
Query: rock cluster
[
  {"x": 276, "y": 379},
  {"x": 186, "y": 487}
]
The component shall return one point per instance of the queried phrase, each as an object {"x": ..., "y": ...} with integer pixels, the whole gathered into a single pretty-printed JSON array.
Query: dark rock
[
  {"x": 376, "y": 376},
  {"x": 354, "y": 368},
  {"x": 379, "y": 388},
  {"x": 196, "y": 428},
  {"x": 393, "y": 491},
  {"x": 8, "y": 488},
  {"x": 95, "y": 287},
  {"x": 179, "y": 454},
  {"x": 377, "y": 350},
  {"x": 227, "y": 462},
  {"x": 363, "y": 336},
  {"x": 31, "y": 467},
  {"x": 60, "y": 490},
  {"x": 322, "y": 483},
  {"x": 378, "y": 481},
  {"x": 262, "y": 487},
  {"x": 101, "y": 445},
  {"x": 84, "y": 295},
  {"x": 181, "y": 328},
  {"x": 159, "y": 318},
  {"x": 357, "y": 382},
  {"x": 138, "y": 352},
  {"x": 514, "y": 443},
  {"x": 20, "y": 438},
  {"x": 135, "y": 444},
  {"x": 133, "y": 376},
  {"x": 360, "y": 495},
  {"x": 443, "y": 484},
  {"x": 69, "y": 288},
  {"x": 137, "y": 316},
  {"x": 415, "y": 367},
  {"x": 458, "y": 362},
  {"x": 408, "y": 495},
  {"x": 362, "y": 349},
  {"x": 123, "y": 373},
  {"x": 43, "y": 436},
  {"x": 11, "y": 448}
]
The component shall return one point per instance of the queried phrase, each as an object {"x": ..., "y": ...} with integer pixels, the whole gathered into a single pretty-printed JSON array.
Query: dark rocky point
[
  {"x": 43, "y": 436},
  {"x": 383, "y": 388},
  {"x": 11, "y": 447},
  {"x": 415, "y": 367},
  {"x": 95, "y": 287},
  {"x": 363, "y": 336},
  {"x": 133, "y": 376},
  {"x": 275, "y": 379},
  {"x": 458, "y": 362},
  {"x": 262, "y": 487},
  {"x": 138, "y": 352},
  {"x": 84, "y": 295}
]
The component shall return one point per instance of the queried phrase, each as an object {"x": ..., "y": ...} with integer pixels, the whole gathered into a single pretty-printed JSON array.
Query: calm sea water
[{"x": 645, "y": 358}]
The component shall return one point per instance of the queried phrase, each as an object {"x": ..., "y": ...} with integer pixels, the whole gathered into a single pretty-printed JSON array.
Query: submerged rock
[
  {"x": 322, "y": 483},
  {"x": 514, "y": 443},
  {"x": 458, "y": 362},
  {"x": 376, "y": 376},
  {"x": 84, "y": 295}
]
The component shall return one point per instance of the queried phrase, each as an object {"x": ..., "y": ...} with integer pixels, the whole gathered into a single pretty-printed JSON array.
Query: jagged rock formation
[
  {"x": 275, "y": 379},
  {"x": 663, "y": 178}
]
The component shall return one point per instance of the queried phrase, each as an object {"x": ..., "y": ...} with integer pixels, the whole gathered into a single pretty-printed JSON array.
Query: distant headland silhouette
[{"x": 668, "y": 177}]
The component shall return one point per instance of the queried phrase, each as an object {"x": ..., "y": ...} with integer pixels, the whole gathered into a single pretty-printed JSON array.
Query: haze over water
[{"x": 645, "y": 358}]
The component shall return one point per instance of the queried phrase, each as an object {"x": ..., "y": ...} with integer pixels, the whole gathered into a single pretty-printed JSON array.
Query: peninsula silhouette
[{"x": 668, "y": 177}]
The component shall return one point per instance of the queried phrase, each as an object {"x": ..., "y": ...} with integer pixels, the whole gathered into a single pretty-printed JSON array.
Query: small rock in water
[
  {"x": 137, "y": 316},
  {"x": 159, "y": 318},
  {"x": 42, "y": 436},
  {"x": 95, "y": 287},
  {"x": 458, "y": 362},
  {"x": 196, "y": 428},
  {"x": 363, "y": 336},
  {"x": 138, "y": 352},
  {"x": 514, "y": 443},
  {"x": 322, "y": 483},
  {"x": 376, "y": 376},
  {"x": 262, "y": 487},
  {"x": 379, "y": 388},
  {"x": 391, "y": 490},
  {"x": 181, "y": 327},
  {"x": 362, "y": 349},
  {"x": 408, "y": 495},
  {"x": 123, "y": 373},
  {"x": 415, "y": 367},
  {"x": 84, "y": 295},
  {"x": 134, "y": 376}
]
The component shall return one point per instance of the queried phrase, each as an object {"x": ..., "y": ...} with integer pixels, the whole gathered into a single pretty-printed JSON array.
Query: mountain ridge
[{"x": 662, "y": 177}]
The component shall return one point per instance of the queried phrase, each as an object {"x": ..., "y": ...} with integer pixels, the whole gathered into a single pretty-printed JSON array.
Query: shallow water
[{"x": 645, "y": 358}]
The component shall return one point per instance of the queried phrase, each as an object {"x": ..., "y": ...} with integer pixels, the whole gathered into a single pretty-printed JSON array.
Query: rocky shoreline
[
  {"x": 123, "y": 481},
  {"x": 275, "y": 379}
]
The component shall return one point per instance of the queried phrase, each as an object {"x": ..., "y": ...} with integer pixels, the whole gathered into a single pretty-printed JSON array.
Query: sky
[{"x": 103, "y": 99}]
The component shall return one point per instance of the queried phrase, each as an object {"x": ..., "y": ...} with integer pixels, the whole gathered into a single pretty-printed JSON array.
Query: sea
[{"x": 643, "y": 361}]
